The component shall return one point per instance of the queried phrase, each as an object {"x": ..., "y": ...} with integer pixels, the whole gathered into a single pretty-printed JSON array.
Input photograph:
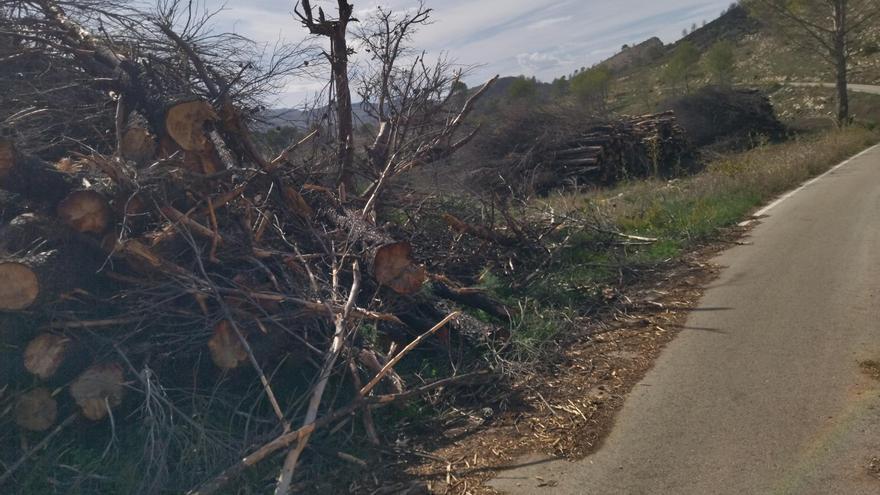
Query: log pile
[
  {"x": 644, "y": 146},
  {"x": 545, "y": 153},
  {"x": 136, "y": 284}
]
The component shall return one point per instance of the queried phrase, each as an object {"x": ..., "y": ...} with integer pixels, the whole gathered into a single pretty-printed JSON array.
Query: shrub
[
  {"x": 592, "y": 86},
  {"x": 721, "y": 62}
]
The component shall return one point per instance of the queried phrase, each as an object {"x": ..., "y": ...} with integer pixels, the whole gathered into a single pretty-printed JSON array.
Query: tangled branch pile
[
  {"x": 166, "y": 277},
  {"x": 727, "y": 117}
]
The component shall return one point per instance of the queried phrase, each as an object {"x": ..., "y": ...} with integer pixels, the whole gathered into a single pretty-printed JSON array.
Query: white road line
[{"x": 763, "y": 211}]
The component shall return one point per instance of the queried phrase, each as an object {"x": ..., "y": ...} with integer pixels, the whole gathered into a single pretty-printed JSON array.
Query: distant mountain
[
  {"x": 645, "y": 52},
  {"x": 294, "y": 117}
]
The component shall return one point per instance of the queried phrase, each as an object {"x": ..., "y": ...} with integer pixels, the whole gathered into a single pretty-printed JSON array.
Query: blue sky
[{"x": 542, "y": 38}]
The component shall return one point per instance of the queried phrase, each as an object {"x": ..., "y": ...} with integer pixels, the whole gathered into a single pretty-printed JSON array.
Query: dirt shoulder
[{"x": 566, "y": 410}]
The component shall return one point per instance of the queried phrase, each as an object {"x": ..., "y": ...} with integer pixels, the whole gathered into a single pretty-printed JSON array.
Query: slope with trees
[{"x": 837, "y": 29}]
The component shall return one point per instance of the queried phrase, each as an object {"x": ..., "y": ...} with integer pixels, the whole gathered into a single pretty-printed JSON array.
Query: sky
[{"x": 541, "y": 38}]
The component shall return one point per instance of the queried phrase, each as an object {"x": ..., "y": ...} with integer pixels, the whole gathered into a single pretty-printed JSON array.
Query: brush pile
[
  {"x": 177, "y": 283},
  {"x": 727, "y": 118}
]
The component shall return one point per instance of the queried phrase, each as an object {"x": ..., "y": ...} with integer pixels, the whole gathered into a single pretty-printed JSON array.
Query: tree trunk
[
  {"x": 33, "y": 178},
  {"x": 40, "y": 259},
  {"x": 842, "y": 94},
  {"x": 344, "y": 125},
  {"x": 841, "y": 61}
]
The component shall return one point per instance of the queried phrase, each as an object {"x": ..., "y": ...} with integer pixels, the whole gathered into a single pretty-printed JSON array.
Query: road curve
[
  {"x": 762, "y": 392},
  {"x": 857, "y": 88}
]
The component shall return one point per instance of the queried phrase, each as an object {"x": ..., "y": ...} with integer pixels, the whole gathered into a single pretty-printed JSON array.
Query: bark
[
  {"x": 842, "y": 93},
  {"x": 841, "y": 62},
  {"x": 336, "y": 31},
  {"x": 34, "y": 179},
  {"x": 11, "y": 205},
  {"x": 473, "y": 299},
  {"x": 345, "y": 127},
  {"x": 40, "y": 259}
]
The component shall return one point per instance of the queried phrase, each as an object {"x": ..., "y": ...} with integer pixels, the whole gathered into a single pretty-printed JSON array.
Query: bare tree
[
  {"x": 336, "y": 31},
  {"x": 412, "y": 99},
  {"x": 836, "y": 29}
]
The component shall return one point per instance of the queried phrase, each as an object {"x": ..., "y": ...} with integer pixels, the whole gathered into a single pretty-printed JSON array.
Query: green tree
[
  {"x": 560, "y": 86},
  {"x": 720, "y": 62},
  {"x": 592, "y": 87},
  {"x": 681, "y": 67},
  {"x": 276, "y": 139},
  {"x": 523, "y": 88},
  {"x": 836, "y": 29}
]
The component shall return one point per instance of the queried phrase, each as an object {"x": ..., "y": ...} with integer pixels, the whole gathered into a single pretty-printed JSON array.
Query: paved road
[
  {"x": 857, "y": 88},
  {"x": 762, "y": 392}
]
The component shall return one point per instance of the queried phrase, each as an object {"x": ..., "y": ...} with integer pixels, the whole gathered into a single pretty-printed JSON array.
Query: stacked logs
[
  {"x": 626, "y": 148},
  {"x": 630, "y": 147}
]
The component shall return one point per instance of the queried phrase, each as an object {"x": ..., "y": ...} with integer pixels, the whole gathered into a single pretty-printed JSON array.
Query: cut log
[
  {"x": 472, "y": 298},
  {"x": 30, "y": 231},
  {"x": 44, "y": 354},
  {"x": 33, "y": 178},
  {"x": 138, "y": 143},
  {"x": 36, "y": 410},
  {"x": 32, "y": 280},
  {"x": 394, "y": 267},
  {"x": 575, "y": 162},
  {"x": 594, "y": 150},
  {"x": 226, "y": 348},
  {"x": 186, "y": 129},
  {"x": 478, "y": 231},
  {"x": 98, "y": 389},
  {"x": 85, "y": 211},
  {"x": 19, "y": 284},
  {"x": 185, "y": 123}
]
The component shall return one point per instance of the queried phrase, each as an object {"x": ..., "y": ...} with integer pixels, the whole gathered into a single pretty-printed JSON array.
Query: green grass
[{"x": 680, "y": 214}]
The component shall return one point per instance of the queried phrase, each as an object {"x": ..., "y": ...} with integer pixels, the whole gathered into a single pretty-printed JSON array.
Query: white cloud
[
  {"x": 541, "y": 62},
  {"x": 544, "y": 38},
  {"x": 545, "y": 23}
]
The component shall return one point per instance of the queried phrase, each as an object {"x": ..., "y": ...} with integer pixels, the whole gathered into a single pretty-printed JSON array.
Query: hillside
[{"x": 763, "y": 60}]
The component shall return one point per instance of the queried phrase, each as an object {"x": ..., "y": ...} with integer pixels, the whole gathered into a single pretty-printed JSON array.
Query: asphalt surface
[
  {"x": 857, "y": 88},
  {"x": 762, "y": 392}
]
